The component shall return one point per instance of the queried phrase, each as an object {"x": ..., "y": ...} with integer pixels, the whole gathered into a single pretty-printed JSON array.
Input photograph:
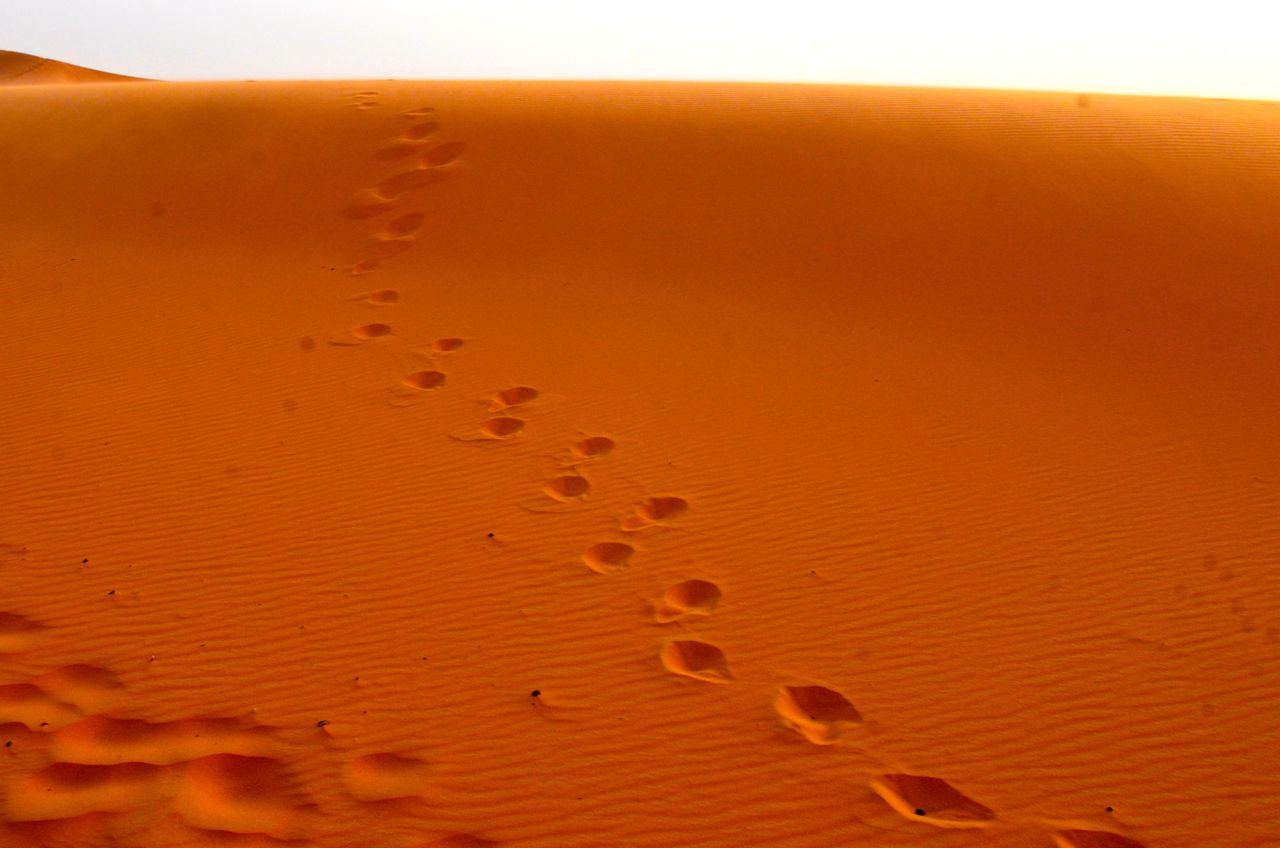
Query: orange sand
[{"x": 594, "y": 464}]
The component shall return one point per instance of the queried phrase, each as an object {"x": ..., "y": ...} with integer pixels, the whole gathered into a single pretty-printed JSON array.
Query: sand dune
[
  {"x": 25, "y": 69},
  {"x": 578, "y": 464}
]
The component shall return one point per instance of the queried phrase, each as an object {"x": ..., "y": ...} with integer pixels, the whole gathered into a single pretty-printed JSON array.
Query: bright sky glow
[{"x": 1219, "y": 49}]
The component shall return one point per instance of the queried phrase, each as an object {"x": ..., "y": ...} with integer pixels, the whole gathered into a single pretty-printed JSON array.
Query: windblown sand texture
[{"x": 410, "y": 464}]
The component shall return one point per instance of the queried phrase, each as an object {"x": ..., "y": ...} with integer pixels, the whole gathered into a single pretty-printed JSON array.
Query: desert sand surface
[{"x": 407, "y": 464}]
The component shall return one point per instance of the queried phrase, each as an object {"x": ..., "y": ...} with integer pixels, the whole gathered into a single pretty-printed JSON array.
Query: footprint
[
  {"x": 89, "y": 687},
  {"x": 19, "y": 633},
  {"x": 658, "y": 511},
  {"x": 399, "y": 148},
  {"x": 419, "y": 112},
  {"x": 443, "y": 154},
  {"x": 406, "y": 181},
  {"x": 66, "y": 790},
  {"x": 381, "y": 297},
  {"x": 698, "y": 660},
  {"x": 368, "y": 203},
  {"x": 424, "y": 380},
  {"x": 931, "y": 800},
  {"x": 364, "y": 266},
  {"x": 364, "y": 99},
  {"x": 568, "y": 488},
  {"x": 818, "y": 713},
  {"x": 690, "y": 598},
  {"x": 512, "y": 397},
  {"x": 101, "y": 740},
  {"x": 32, "y": 707},
  {"x": 500, "y": 429},
  {"x": 421, "y": 130},
  {"x": 608, "y": 557},
  {"x": 446, "y": 345},
  {"x": 405, "y": 225},
  {"x": 382, "y": 777},
  {"x": 1093, "y": 839},
  {"x": 227, "y": 792},
  {"x": 592, "y": 447},
  {"x": 361, "y": 334},
  {"x": 384, "y": 246}
]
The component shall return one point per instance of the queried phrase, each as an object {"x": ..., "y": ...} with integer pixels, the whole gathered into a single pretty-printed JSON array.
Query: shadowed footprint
[
  {"x": 690, "y": 598},
  {"x": 698, "y": 660},
  {"x": 818, "y": 713},
  {"x": 931, "y": 800},
  {"x": 362, "y": 334},
  {"x": 381, "y": 297},
  {"x": 500, "y": 429},
  {"x": 407, "y": 181},
  {"x": 1093, "y": 839},
  {"x": 568, "y": 488},
  {"x": 368, "y": 203},
  {"x": 608, "y": 557},
  {"x": 446, "y": 345},
  {"x": 443, "y": 154},
  {"x": 425, "y": 379},
  {"x": 658, "y": 511},
  {"x": 514, "y": 396},
  {"x": 385, "y": 776},
  {"x": 592, "y": 447}
]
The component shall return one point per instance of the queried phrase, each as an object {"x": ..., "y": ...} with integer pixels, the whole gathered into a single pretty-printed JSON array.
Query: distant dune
[
  {"x": 24, "y": 69},
  {"x": 473, "y": 464}
]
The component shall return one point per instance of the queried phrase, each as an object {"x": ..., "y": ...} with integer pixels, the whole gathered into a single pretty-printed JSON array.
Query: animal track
[
  {"x": 608, "y": 557},
  {"x": 100, "y": 740},
  {"x": 931, "y": 800},
  {"x": 32, "y": 707},
  {"x": 698, "y": 660},
  {"x": 19, "y": 633},
  {"x": 382, "y": 777},
  {"x": 659, "y": 511},
  {"x": 692, "y": 597},
  {"x": 818, "y": 713},
  {"x": 1093, "y": 839}
]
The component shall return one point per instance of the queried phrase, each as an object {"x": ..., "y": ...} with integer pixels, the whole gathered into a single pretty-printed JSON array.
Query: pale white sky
[{"x": 1215, "y": 49}]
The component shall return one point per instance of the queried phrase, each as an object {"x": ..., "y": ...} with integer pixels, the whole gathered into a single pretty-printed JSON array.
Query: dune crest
[{"x": 25, "y": 69}]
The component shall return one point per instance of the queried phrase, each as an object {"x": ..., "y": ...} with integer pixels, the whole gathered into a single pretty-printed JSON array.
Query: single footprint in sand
[
  {"x": 362, "y": 333},
  {"x": 381, "y": 297},
  {"x": 446, "y": 345},
  {"x": 608, "y": 557},
  {"x": 515, "y": 396},
  {"x": 502, "y": 428},
  {"x": 816, "y": 712},
  {"x": 931, "y": 800},
  {"x": 656, "y": 512},
  {"x": 698, "y": 660},
  {"x": 690, "y": 598},
  {"x": 592, "y": 447}
]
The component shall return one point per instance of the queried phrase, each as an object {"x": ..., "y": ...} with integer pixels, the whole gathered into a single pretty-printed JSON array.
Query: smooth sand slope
[{"x": 581, "y": 464}]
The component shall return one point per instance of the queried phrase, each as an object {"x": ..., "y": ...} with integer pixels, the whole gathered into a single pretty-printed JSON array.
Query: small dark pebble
[
  {"x": 1111, "y": 809},
  {"x": 112, "y": 592},
  {"x": 535, "y": 693},
  {"x": 322, "y": 722},
  {"x": 8, "y": 743},
  {"x": 919, "y": 811}
]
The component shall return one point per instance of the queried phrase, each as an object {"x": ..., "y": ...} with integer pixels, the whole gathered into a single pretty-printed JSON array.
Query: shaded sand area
[{"x": 411, "y": 464}]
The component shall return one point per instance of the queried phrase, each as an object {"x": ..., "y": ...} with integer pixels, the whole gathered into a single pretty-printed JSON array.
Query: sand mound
[{"x": 25, "y": 69}]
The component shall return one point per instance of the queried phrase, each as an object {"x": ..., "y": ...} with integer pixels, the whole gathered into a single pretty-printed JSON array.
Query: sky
[{"x": 1218, "y": 49}]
